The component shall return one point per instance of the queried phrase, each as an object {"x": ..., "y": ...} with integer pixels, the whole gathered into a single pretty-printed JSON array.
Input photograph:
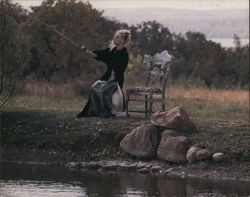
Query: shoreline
[
  {"x": 203, "y": 170},
  {"x": 56, "y": 137}
]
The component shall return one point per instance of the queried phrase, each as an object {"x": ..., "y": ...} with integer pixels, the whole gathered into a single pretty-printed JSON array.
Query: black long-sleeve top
[{"x": 116, "y": 60}]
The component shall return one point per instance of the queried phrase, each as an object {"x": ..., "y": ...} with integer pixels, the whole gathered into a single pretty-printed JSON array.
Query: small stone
[
  {"x": 72, "y": 164},
  {"x": 156, "y": 168},
  {"x": 218, "y": 157},
  {"x": 169, "y": 170},
  {"x": 93, "y": 165},
  {"x": 82, "y": 164},
  {"x": 144, "y": 170},
  {"x": 148, "y": 166},
  {"x": 123, "y": 167},
  {"x": 109, "y": 167},
  {"x": 141, "y": 165}
]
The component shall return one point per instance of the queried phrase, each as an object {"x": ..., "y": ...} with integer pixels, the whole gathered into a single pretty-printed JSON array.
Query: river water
[
  {"x": 229, "y": 42},
  {"x": 43, "y": 181}
]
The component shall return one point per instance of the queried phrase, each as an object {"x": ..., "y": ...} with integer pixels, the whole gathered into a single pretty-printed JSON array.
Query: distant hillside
[{"x": 213, "y": 23}]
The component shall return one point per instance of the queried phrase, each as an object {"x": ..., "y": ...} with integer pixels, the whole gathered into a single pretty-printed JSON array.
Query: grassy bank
[
  {"x": 43, "y": 123},
  {"x": 198, "y": 102}
]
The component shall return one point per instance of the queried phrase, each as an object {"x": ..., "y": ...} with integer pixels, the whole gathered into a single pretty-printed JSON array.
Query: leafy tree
[
  {"x": 151, "y": 37},
  {"x": 54, "y": 58},
  {"x": 13, "y": 50},
  {"x": 237, "y": 41},
  {"x": 29, "y": 49}
]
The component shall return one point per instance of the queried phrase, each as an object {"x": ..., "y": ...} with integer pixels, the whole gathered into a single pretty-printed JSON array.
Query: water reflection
[
  {"x": 22, "y": 188},
  {"x": 29, "y": 180}
]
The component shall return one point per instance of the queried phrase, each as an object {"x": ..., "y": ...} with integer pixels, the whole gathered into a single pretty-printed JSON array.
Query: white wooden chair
[{"x": 158, "y": 68}]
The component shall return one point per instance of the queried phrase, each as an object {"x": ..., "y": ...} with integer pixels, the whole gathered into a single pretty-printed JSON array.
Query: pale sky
[{"x": 175, "y": 4}]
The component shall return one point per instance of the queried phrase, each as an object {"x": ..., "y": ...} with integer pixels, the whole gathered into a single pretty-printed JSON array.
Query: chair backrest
[{"x": 158, "y": 67}]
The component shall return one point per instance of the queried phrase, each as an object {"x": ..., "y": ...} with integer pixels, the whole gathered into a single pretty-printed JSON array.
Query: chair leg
[
  {"x": 163, "y": 103},
  {"x": 146, "y": 106},
  {"x": 163, "y": 106},
  {"x": 126, "y": 103},
  {"x": 150, "y": 105}
]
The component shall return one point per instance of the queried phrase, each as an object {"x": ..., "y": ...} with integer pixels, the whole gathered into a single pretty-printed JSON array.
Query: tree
[
  {"x": 13, "y": 52},
  {"x": 52, "y": 57},
  {"x": 237, "y": 41},
  {"x": 151, "y": 37},
  {"x": 197, "y": 57}
]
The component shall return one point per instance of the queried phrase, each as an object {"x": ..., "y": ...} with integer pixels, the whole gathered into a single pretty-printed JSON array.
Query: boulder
[
  {"x": 218, "y": 157},
  {"x": 176, "y": 119},
  {"x": 141, "y": 142},
  {"x": 169, "y": 132},
  {"x": 203, "y": 154},
  {"x": 191, "y": 154},
  {"x": 173, "y": 149},
  {"x": 197, "y": 154}
]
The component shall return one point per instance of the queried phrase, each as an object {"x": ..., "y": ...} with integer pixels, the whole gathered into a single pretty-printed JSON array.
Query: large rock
[
  {"x": 176, "y": 119},
  {"x": 141, "y": 142},
  {"x": 169, "y": 132},
  {"x": 173, "y": 148}
]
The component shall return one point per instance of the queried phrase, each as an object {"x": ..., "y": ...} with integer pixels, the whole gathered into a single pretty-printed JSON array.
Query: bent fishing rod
[{"x": 82, "y": 48}]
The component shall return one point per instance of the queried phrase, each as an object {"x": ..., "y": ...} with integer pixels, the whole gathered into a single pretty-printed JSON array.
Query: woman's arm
[
  {"x": 90, "y": 54},
  {"x": 103, "y": 55}
]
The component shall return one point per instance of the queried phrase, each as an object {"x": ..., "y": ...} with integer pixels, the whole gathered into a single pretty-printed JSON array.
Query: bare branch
[{"x": 10, "y": 95}]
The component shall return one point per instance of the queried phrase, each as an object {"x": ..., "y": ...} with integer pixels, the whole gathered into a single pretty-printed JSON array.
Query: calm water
[
  {"x": 41, "y": 181},
  {"x": 227, "y": 42}
]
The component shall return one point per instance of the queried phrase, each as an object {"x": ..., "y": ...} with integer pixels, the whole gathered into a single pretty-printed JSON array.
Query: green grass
[
  {"x": 214, "y": 110},
  {"x": 205, "y": 109},
  {"x": 194, "y": 108},
  {"x": 230, "y": 137},
  {"x": 48, "y": 123}
]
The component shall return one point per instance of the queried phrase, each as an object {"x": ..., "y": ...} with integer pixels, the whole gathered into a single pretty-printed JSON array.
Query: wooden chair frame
[{"x": 149, "y": 97}]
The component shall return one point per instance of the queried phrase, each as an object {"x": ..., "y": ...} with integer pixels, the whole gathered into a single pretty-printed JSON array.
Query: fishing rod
[{"x": 82, "y": 48}]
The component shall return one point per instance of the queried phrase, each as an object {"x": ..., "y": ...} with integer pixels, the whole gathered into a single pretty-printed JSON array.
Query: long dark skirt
[{"x": 100, "y": 99}]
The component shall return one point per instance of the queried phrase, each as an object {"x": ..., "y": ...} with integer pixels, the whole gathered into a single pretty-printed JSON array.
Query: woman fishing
[{"x": 106, "y": 97}]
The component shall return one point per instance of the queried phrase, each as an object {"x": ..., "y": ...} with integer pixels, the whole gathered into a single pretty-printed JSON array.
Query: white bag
[{"x": 118, "y": 103}]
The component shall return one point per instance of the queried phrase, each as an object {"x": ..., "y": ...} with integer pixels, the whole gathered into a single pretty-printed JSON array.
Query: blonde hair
[{"x": 126, "y": 35}]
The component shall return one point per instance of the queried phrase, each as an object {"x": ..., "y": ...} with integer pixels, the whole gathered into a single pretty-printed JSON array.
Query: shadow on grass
[{"x": 38, "y": 129}]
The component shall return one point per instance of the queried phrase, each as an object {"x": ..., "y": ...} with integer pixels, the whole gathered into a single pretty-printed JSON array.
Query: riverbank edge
[{"x": 205, "y": 170}]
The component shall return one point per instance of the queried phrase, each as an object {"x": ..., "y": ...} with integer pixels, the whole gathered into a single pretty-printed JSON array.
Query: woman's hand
[{"x": 90, "y": 54}]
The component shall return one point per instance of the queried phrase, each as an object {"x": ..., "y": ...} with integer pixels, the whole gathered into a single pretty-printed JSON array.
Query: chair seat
[{"x": 144, "y": 90}]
